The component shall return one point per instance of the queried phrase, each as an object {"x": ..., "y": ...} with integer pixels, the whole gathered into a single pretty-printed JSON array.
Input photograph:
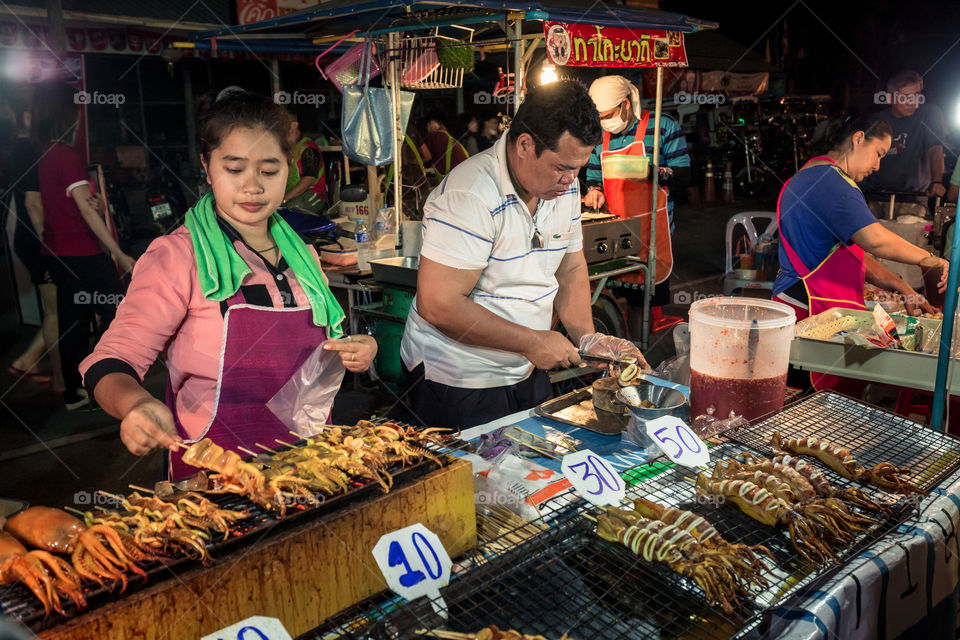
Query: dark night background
[{"x": 848, "y": 49}]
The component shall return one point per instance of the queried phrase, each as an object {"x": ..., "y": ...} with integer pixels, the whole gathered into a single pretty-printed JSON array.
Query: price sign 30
[{"x": 593, "y": 478}]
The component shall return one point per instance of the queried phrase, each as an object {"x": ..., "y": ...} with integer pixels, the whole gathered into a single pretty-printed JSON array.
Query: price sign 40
[
  {"x": 414, "y": 563},
  {"x": 396, "y": 557}
]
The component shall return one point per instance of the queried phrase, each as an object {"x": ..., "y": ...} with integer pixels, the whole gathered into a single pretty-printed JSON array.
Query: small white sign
[
  {"x": 592, "y": 478},
  {"x": 678, "y": 441},
  {"x": 414, "y": 563},
  {"x": 255, "y": 628}
]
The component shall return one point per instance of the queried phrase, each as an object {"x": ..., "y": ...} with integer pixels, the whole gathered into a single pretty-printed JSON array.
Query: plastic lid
[{"x": 739, "y": 313}]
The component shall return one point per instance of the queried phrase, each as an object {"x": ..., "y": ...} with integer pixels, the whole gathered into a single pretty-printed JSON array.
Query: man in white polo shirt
[{"x": 502, "y": 252}]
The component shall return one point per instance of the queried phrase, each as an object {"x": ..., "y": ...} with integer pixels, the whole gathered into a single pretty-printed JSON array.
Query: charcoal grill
[{"x": 18, "y": 603}]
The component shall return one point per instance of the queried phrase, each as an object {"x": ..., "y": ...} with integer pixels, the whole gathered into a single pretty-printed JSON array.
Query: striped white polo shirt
[{"x": 474, "y": 220}]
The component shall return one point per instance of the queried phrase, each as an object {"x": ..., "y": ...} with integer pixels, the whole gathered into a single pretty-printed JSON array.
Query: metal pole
[
  {"x": 944, "y": 356},
  {"x": 274, "y": 77},
  {"x": 517, "y": 42},
  {"x": 652, "y": 247},
  {"x": 393, "y": 45}
]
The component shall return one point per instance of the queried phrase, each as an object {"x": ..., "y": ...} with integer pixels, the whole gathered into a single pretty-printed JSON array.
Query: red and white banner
[
  {"x": 582, "y": 45},
  {"x": 249, "y": 11}
]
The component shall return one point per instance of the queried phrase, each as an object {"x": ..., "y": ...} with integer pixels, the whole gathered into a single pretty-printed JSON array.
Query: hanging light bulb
[{"x": 548, "y": 74}]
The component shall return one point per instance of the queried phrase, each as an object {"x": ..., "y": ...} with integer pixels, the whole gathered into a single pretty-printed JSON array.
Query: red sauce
[{"x": 748, "y": 398}]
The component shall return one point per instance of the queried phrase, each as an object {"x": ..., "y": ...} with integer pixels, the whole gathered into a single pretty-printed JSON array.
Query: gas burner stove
[{"x": 606, "y": 237}]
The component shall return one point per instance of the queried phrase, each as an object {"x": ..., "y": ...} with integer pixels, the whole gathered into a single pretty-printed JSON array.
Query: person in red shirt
[
  {"x": 446, "y": 151},
  {"x": 75, "y": 236}
]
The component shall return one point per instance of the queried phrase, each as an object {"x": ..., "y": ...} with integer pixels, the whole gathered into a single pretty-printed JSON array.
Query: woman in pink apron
[
  {"x": 234, "y": 299},
  {"x": 826, "y": 231}
]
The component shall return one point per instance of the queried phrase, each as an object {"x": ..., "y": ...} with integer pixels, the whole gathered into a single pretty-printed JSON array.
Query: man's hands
[
  {"x": 604, "y": 346},
  {"x": 594, "y": 198},
  {"x": 147, "y": 426},
  {"x": 551, "y": 350}
]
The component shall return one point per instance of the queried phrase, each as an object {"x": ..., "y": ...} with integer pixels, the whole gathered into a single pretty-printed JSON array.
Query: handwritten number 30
[{"x": 594, "y": 468}]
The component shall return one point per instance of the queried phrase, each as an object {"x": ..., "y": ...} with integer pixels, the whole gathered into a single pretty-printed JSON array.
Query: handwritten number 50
[{"x": 681, "y": 432}]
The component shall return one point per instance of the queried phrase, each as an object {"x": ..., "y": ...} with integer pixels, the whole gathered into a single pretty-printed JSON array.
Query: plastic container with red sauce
[{"x": 739, "y": 354}]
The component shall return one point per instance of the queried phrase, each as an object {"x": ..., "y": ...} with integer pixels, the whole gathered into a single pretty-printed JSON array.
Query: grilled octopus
[
  {"x": 97, "y": 553},
  {"x": 46, "y": 575}
]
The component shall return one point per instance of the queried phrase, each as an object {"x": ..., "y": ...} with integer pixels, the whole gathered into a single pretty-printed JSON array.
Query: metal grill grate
[
  {"x": 18, "y": 603},
  {"x": 675, "y": 488},
  {"x": 568, "y": 580},
  {"x": 872, "y": 434}
]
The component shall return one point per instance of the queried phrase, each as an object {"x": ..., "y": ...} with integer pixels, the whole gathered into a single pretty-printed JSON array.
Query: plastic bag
[
  {"x": 677, "y": 368},
  {"x": 303, "y": 404},
  {"x": 636, "y": 434},
  {"x": 367, "y": 119}
]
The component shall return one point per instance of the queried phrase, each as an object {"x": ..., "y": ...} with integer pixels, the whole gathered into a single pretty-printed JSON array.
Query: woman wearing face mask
[
  {"x": 234, "y": 296},
  {"x": 629, "y": 130},
  {"x": 827, "y": 232}
]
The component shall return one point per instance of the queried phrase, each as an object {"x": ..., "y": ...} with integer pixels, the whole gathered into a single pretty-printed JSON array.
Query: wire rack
[
  {"x": 18, "y": 603},
  {"x": 566, "y": 579},
  {"x": 872, "y": 434},
  {"x": 420, "y": 66}
]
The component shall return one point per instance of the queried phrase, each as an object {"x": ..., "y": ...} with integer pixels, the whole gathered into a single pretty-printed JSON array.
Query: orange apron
[{"x": 632, "y": 199}]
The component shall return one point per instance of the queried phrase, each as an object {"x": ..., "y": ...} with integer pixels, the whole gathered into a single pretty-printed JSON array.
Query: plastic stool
[{"x": 745, "y": 220}]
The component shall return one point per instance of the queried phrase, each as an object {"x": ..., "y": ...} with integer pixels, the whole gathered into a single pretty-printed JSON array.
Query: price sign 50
[
  {"x": 678, "y": 442},
  {"x": 593, "y": 478}
]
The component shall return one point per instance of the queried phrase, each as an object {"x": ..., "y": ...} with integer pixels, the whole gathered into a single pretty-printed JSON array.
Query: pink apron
[
  {"x": 262, "y": 348},
  {"x": 836, "y": 282}
]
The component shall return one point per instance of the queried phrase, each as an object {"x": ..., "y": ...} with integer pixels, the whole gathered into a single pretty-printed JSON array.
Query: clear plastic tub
[
  {"x": 625, "y": 167},
  {"x": 739, "y": 355}
]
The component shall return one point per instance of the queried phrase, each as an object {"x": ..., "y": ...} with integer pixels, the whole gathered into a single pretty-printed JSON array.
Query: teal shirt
[{"x": 673, "y": 149}]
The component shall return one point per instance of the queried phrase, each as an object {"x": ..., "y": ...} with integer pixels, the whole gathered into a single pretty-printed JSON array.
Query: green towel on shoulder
[{"x": 221, "y": 269}]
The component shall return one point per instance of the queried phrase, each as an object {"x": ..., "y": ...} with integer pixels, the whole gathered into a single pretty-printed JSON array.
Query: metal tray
[
  {"x": 397, "y": 270},
  {"x": 577, "y": 408},
  {"x": 872, "y": 365}
]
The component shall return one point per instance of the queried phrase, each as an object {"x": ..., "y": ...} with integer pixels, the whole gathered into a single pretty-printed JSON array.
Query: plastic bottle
[
  {"x": 365, "y": 247},
  {"x": 386, "y": 237}
]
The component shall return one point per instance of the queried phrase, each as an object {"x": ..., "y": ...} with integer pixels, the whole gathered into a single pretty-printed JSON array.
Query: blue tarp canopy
[{"x": 295, "y": 31}]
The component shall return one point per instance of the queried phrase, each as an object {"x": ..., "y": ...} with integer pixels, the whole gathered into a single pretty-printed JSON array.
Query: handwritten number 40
[
  {"x": 396, "y": 557},
  {"x": 683, "y": 441}
]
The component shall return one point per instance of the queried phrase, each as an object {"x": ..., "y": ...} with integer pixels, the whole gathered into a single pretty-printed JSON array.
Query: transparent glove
[{"x": 604, "y": 346}]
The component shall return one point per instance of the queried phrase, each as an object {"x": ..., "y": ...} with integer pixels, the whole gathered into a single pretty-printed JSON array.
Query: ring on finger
[{"x": 354, "y": 357}]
